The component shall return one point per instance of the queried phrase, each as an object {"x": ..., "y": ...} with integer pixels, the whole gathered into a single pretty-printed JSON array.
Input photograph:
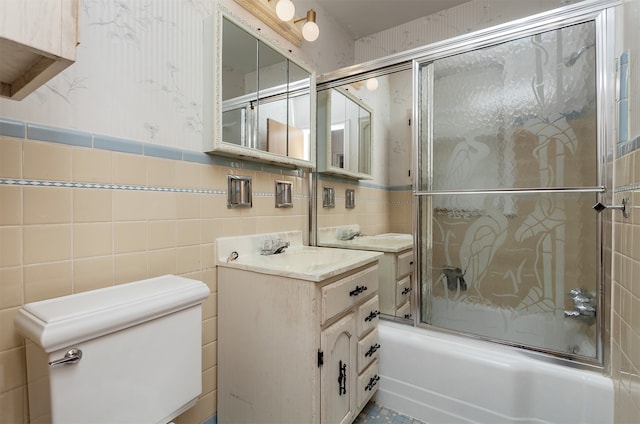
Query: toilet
[{"x": 124, "y": 354}]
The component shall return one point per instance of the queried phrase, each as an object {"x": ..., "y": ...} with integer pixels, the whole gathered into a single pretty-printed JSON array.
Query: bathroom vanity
[
  {"x": 395, "y": 266},
  {"x": 297, "y": 332}
]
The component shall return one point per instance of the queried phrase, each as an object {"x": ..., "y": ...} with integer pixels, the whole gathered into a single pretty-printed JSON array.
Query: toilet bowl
[{"x": 124, "y": 354}]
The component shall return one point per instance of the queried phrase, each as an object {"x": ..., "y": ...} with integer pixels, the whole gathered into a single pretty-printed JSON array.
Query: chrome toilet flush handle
[{"x": 71, "y": 357}]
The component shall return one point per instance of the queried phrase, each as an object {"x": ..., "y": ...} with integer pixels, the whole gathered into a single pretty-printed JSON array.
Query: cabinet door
[{"x": 338, "y": 376}]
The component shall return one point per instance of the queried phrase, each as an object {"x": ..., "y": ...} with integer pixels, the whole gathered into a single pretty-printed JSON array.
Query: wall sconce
[
  {"x": 372, "y": 84},
  {"x": 280, "y": 17},
  {"x": 310, "y": 30},
  {"x": 285, "y": 10}
]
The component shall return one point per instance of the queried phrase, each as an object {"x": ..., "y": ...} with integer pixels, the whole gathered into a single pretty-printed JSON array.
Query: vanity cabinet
[
  {"x": 37, "y": 40},
  {"x": 396, "y": 275},
  {"x": 296, "y": 351}
]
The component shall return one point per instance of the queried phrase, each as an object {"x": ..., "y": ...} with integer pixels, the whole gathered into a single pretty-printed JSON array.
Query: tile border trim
[{"x": 132, "y": 187}]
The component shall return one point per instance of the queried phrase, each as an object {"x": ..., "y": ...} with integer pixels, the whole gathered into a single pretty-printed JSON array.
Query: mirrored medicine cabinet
[
  {"x": 259, "y": 100},
  {"x": 344, "y": 134}
]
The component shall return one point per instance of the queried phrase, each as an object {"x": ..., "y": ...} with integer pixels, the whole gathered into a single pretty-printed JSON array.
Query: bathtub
[{"x": 442, "y": 378}]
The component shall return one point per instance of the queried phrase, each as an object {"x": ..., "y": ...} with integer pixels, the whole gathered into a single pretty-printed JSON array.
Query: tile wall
[
  {"x": 625, "y": 317},
  {"x": 77, "y": 217},
  {"x": 61, "y": 233},
  {"x": 625, "y": 278}
]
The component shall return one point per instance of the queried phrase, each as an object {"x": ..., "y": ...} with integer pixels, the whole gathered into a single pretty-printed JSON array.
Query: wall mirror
[
  {"x": 381, "y": 218},
  {"x": 344, "y": 133},
  {"x": 260, "y": 101}
]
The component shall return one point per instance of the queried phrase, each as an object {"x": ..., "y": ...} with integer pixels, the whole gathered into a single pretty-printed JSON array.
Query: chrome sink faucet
[
  {"x": 273, "y": 246},
  {"x": 349, "y": 235}
]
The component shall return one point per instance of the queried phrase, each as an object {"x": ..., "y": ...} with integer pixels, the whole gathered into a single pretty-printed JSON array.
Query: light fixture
[
  {"x": 285, "y": 10},
  {"x": 310, "y": 30},
  {"x": 272, "y": 13},
  {"x": 372, "y": 84}
]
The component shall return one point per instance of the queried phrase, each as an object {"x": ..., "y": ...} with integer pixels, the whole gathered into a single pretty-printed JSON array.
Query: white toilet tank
[{"x": 141, "y": 347}]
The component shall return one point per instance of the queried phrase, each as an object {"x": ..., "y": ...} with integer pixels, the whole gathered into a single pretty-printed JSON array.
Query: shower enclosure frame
[{"x": 602, "y": 14}]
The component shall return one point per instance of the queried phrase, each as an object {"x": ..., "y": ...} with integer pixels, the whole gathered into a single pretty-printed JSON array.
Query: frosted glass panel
[
  {"x": 519, "y": 114},
  {"x": 508, "y": 276},
  {"x": 517, "y": 267}
]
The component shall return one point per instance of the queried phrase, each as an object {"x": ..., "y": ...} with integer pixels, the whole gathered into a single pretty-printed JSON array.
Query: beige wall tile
[
  {"x": 47, "y": 205},
  {"x": 160, "y": 205},
  {"x": 10, "y": 287},
  {"x": 161, "y": 172},
  {"x": 187, "y": 174},
  {"x": 130, "y": 237},
  {"x": 210, "y": 306},
  {"x": 46, "y": 243},
  {"x": 211, "y": 179},
  {"x": 163, "y": 261},
  {"x": 129, "y": 205},
  {"x": 91, "y": 165},
  {"x": 92, "y": 239},
  {"x": 10, "y": 205},
  {"x": 162, "y": 234},
  {"x": 92, "y": 273},
  {"x": 13, "y": 364},
  {"x": 213, "y": 205},
  {"x": 46, "y": 281},
  {"x": 10, "y": 157},
  {"x": 209, "y": 355},
  {"x": 209, "y": 330},
  {"x": 188, "y": 259},
  {"x": 10, "y": 246},
  {"x": 129, "y": 169},
  {"x": 187, "y": 205},
  {"x": 92, "y": 205},
  {"x": 13, "y": 404},
  {"x": 130, "y": 267},
  {"x": 9, "y": 337},
  {"x": 189, "y": 232},
  {"x": 210, "y": 380},
  {"x": 208, "y": 255},
  {"x": 46, "y": 161}
]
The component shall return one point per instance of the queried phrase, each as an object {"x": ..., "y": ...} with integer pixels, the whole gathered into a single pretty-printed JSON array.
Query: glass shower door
[{"x": 508, "y": 175}]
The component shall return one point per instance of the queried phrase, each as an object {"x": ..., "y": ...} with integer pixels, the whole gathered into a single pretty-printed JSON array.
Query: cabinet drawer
[
  {"x": 404, "y": 264},
  {"x": 404, "y": 311},
  {"x": 367, "y": 317},
  {"x": 368, "y": 383},
  {"x": 344, "y": 293},
  {"x": 403, "y": 288},
  {"x": 368, "y": 349}
]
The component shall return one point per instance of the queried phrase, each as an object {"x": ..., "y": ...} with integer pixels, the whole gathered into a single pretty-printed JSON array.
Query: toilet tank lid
[{"x": 60, "y": 322}]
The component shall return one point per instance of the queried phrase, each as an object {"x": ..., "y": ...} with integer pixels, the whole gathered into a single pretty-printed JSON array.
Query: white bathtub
[{"x": 441, "y": 378}]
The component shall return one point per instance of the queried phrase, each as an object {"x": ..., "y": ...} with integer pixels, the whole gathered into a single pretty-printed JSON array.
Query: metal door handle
[
  {"x": 623, "y": 207},
  {"x": 71, "y": 357}
]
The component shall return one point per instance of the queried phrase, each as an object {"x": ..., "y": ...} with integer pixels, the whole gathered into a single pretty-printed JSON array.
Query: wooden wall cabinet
[{"x": 38, "y": 40}]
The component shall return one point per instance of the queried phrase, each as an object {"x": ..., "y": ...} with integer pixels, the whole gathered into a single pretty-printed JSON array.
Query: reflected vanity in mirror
[
  {"x": 364, "y": 152},
  {"x": 259, "y": 101},
  {"x": 344, "y": 134}
]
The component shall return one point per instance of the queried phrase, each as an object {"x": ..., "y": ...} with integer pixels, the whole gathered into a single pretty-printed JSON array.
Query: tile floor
[{"x": 376, "y": 414}]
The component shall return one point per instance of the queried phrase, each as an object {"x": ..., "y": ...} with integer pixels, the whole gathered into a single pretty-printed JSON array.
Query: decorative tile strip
[
  {"x": 69, "y": 184},
  {"x": 623, "y": 189}
]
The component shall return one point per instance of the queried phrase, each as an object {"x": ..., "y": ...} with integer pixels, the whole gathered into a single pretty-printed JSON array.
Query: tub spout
[{"x": 584, "y": 308}]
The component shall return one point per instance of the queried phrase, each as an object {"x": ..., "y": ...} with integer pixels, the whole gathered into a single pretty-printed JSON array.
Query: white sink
[
  {"x": 388, "y": 242},
  {"x": 297, "y": 261}
]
